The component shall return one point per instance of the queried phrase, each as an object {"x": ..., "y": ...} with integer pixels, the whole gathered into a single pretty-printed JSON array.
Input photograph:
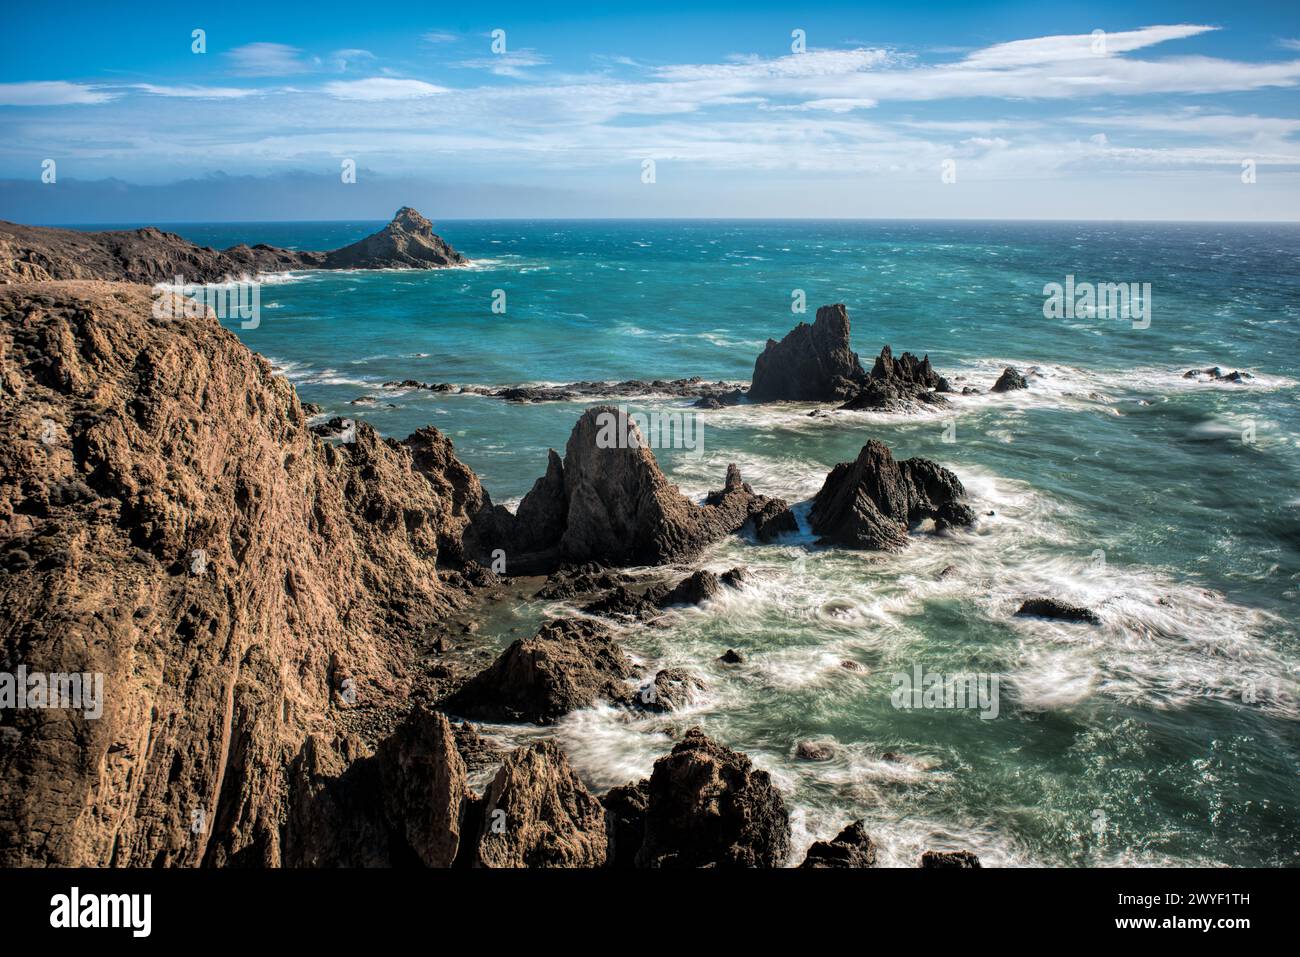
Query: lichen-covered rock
[
  {"x": 538, "y": 813},
  {"x": 872, "y": 502},
  {"x": 709, "y": 807}
]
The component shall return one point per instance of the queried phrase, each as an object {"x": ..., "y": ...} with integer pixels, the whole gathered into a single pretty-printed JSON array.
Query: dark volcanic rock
[
  {"x": 774, "y": 519},
  {"x": 152, "y": 256},
  {"x": 852, "y": 847},
  {"x": 813, "y": 363},
  {"x": 731, "y": 657},
  {"x": 697, "y": 588},
  {"x": 708, "y": 807},
  {"x": 942, "y": 859},
  {"x": 1009, "y": 380},
  {"x": 896, "y": 385},
  {"x": 625, "y": 809},
  {"x": 573, "y": 581},
  {"x": 872, "y": 502},
  {"x": 1218, "y": 375},
  {"x": 567, "y": 665},
  {"x": 611, "y": 503},
  {"x": 734, "y": 577},
  {"x": 671, "y": 688},
  {"x": 537, "y": 813},
  {"x": 1052, "y": 608},
  {"x": 621, "y": 600}
]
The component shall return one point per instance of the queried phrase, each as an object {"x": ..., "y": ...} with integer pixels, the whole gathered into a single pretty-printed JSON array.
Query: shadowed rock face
[
  {"x": 168, "y": 520},
  {"x": 813, "y": 363},
  {"x": 871, "y": 503},
  {"x": 709, "y": 807},
  {"x": 149, "y": 255},
  {"x": 609, "y": 502}
]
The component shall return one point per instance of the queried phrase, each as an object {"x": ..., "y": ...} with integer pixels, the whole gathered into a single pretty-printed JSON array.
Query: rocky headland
[{"x": 149, "y": 255}]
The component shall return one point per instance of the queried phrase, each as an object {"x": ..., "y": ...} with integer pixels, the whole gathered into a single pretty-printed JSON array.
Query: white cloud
[
  {"x": 440, "y": 36},
  {"x": 52, "y": 93},
  {"x": 197, "y": 92},
  {"x": 1085, "y": 46},
  {"x": 512, "y": 63},
  {"x": 268, "y": 59},
  {"x": 382, "y": 88}
]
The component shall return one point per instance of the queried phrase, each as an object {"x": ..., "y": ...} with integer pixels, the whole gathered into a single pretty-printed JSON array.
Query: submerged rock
[
  {"x": 1009, "y": 380},
  {"x": 942, "y": 859},
  {"x": 671, "y": 689},
  {"x": 1054, "y": 608},
  {"x": 731, "y": 657},
  {"x": 709, "y": 807},
  {"x": 567, "y": 665},
  {"x": 872, "y": 502},
  {"x": 814, "y": 751},
  {"x": 693, "y": 590},
  {"x": 774, "y": 519},
  {"x": 852, "y": 847},
  {"x": 813, "y": 363},
  {"x": 1217, "y": 374}
]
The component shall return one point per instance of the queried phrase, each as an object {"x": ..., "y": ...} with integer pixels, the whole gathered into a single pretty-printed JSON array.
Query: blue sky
[{"x": 1031, "y": 110}]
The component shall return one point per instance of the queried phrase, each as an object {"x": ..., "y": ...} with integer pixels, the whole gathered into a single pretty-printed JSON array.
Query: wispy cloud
[
  {"x": 52, "y": 93},
  {"x": 513, "y": 63},
  {"x": 382, "y": 88},
  {"x": 268, "y": 59}
]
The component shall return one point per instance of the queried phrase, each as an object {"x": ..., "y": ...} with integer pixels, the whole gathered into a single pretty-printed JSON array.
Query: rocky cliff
[
  {"x": 168, "y": 520},
  {"x": 149, "y": 255}
]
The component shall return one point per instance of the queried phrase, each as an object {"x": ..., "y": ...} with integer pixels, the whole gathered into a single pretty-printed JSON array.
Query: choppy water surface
[{"x": 1168, "y": 734}]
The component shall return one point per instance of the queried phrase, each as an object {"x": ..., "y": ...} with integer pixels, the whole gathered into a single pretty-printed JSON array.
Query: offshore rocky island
[{"x": 170, "y": 518}]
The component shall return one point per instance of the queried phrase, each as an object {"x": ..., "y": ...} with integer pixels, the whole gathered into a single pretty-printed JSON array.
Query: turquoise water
[{"x": 1168, "y": 734}]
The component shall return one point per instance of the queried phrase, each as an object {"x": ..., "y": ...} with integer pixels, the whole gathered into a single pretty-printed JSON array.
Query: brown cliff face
[
  {"x": 149, "y": 255},
  {"x": 167, "y": 519}
]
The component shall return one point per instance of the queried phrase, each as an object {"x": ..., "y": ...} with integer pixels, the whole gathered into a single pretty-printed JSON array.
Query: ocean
[{"x": 1168, "y": 734}]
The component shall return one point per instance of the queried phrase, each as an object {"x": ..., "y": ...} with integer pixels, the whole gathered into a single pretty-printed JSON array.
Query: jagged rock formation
[
  {"x": 708, "y": 807},
  {"x": 872, "y": 502},
  {"x": 567, "y": 665},
  {"x": 1059, "y": 610},
  {"x": 149, "y": 255},
  {"x": 609, "y": 502},
  {"x": 168, "y": 520},
  {"x": 813, "y": 363},
  {"x": 852, "y": 847},
  {"x": 1009, "y": 380},
  {"x": 537, "y": 813},
  {"x": 896, "y": 385}
]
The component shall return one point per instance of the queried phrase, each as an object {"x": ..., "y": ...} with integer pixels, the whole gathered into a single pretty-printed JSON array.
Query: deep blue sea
[{"x": 1167, "y": 734}]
